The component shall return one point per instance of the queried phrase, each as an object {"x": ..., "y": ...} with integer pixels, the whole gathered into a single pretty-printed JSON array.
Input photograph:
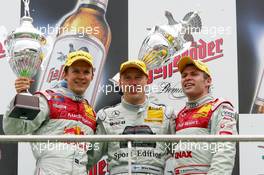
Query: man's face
[
  {"x": 79, "y": 76},
  {"x": 133, "y": 82},
  {"x": 194, "y": 82}
]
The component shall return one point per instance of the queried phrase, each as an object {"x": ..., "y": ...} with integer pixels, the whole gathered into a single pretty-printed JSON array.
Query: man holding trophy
[
  {"x": 57, "y": 111},
  {"x": 63, "y": 110}
]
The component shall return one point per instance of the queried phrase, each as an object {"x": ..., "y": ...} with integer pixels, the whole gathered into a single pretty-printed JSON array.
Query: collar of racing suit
[
  {"x": 140, "y": 108},
  {"x": 68, "y": 93},
  {"x": 199, "y": 102}
]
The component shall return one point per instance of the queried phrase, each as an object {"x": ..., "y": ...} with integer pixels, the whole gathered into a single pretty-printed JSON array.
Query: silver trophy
[
  {"x": 24, "y": 46},
  {"x": 163, "y": 42}
]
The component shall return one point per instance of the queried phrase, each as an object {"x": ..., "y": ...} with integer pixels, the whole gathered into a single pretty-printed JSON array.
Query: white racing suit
[
  {"x": 202, "y": 117},
  {"x": 125, "y": 118},
  {"x": 62, "y": 112}
]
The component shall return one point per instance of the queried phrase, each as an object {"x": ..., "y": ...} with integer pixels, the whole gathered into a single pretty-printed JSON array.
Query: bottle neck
[{"x": 98, "y": 4}]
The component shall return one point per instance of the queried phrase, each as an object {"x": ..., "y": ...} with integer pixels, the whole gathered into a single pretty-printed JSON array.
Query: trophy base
[{"x": 25, "y": 107}]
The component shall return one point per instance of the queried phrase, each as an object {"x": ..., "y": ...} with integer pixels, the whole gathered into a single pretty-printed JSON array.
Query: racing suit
[
  {"x": 205, "y": 116},
  {"x": 124, "y": 118},
  {"x": 62, "y": 112}
]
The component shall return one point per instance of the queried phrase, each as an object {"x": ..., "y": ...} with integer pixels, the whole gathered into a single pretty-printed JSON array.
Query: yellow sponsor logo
[
  {"x": 203, "y": 111},
  {"x": 89, "y": 111},
  {"x": 154, "y": 115}
]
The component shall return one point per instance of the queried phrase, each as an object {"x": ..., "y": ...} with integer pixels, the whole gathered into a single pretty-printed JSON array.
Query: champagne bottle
[
  {"x": 89, "y": 18},
  {"x": 85, "y": 28},
  {"x": 258, "y": 106}
]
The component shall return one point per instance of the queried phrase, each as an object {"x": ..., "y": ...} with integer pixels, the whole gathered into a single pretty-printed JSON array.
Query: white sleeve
[
  {"x": 96, "y": 154},
  {"x": 223, "y": 123},
  {"x": 20, "y": 126}
]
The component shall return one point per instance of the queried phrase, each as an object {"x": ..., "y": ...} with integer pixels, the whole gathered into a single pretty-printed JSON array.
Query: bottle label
[{"x": 69, "y": 43}]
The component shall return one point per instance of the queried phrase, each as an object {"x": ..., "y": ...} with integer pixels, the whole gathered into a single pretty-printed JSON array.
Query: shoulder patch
[
  {"x": 101, "y": 115},
  {"x": 227, "y": 112}
]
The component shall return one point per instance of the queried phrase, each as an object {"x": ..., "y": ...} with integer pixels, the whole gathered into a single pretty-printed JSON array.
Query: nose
[
  {"x": 187, "y": 77},
  {"x": 133, "y": 82},
  {"x": 81, "y": 75}
]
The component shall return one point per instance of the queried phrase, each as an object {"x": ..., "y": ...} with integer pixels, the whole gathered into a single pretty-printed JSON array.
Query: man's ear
[
  {"x": 119, "y": 82},
  {"x": 209, "y": 81},
  {"x": 147, "y": 80},
  {"x": 93, "y": 70},
  {"x": 64, "y": 75}
]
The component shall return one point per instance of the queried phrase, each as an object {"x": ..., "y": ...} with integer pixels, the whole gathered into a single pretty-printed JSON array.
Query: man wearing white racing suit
[
  {"x": 203, "y": 115},
  {"x": 136, "y": 114},
  {"x": 63, "y": 110}
]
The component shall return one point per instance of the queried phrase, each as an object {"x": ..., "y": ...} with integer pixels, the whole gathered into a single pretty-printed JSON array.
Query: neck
[
  {"x": 73, "y": 93},
  {"x": 191, "y": 99}
]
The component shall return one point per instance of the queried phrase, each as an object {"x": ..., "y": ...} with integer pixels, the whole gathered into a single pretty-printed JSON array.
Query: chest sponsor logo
[
  {"x": 115, "y": 113},
  {"x": 139, "y": 153},
  {"x": 203, "y": 111},
  {"x": 113, "y": 123},
  {"x": 89, "y": 111},
  {"x": 188, "y": 123},
  {"x": 154, "y": 115},
  {"x": 59, "y": 106}
]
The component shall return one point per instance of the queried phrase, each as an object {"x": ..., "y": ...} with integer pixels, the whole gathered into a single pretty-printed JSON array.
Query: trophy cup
[
  {"x": 163, "y": 42},
  {"x": 24, "y": 46}
]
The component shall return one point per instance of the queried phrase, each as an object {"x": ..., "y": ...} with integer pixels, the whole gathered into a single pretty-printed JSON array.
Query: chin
[
  {"x": 189, "y": 93},
  {"x": 137, "y": 96},
  {"x": 79, "y": 92}
]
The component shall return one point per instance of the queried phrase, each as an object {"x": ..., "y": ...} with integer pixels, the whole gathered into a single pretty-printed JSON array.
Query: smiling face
[
  {"x": 133, "y": 82},
  {"x": 195, "y": 83},
  {"x": 78, "y": 76}
]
